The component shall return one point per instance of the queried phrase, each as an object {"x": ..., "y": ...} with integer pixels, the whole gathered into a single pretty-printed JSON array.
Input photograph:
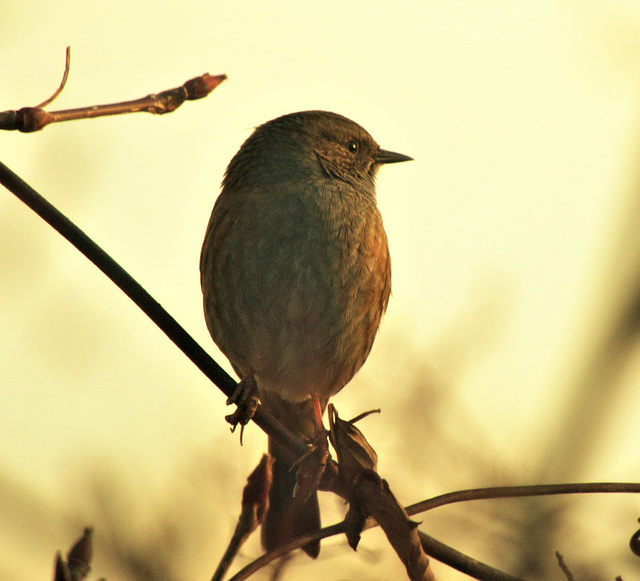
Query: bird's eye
[{"x": 352, "y": 146}]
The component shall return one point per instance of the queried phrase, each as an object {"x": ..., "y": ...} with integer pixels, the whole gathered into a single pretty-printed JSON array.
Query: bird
[{"x": 296, "y": 275}]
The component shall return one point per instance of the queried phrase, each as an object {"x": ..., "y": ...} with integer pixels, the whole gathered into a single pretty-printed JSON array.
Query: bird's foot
[
  {"x": 245, "y": 397},
  {"x": 310, "y": 466}
]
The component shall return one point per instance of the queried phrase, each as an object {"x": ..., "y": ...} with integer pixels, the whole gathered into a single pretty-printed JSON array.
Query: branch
[
  {"x": 255, "y": 503},
  {"x": 29, "y": 119},
  {"x": 520, "y": 491},
  {"x": 440, "y": 551},
  {"x": 461, "y": 562},
  {"x": 123, "y": 280},
  {"x": 434, "y": 548},
  {"x": 567, "y": 572},
  {"x": 63, "y": 82},
  {"x": 35, "y": 118},
  {"x": 264, "y": 420}
]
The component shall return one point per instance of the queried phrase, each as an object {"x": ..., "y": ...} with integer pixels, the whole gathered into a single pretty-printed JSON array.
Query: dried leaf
[
  {"x": 61, "y": 571},
  {"x": 79, "y": 556},
  {"x": 255, "y": 496},
  {"x": 355, "y": 454}
]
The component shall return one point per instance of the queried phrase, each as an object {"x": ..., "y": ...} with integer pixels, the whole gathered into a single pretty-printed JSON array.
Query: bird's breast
[{"x": 307, "y": 283}]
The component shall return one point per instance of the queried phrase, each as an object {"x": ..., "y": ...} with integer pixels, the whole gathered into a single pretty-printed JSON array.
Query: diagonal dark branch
[
  {"x": 461, "y": 562},
  {"x": 125, "y": 282},
  {"x": 563, "y": 566}
]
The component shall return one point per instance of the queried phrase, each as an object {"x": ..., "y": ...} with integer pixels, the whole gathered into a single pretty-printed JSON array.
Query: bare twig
[
  {"x": 567, "y": 572},
  {"x": 255, "y": 503},
  {"x": 431, "y": 546},
  {"x": 202, "y": 360},
  {"x": 29, "y": 119},
  {"x": 364, "y": 415},
  {"x": 520, "y": 491},
  {"x": 63, "y": 82},
  {"x": 437, "y": 549},
  {"x": 461, "y": 562}
]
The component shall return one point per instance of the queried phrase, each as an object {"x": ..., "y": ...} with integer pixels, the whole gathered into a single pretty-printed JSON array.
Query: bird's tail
[{"x": 289, "y": 516}]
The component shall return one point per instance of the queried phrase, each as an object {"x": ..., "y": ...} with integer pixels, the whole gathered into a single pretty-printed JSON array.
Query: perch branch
[{"x": 125, "y": 282}]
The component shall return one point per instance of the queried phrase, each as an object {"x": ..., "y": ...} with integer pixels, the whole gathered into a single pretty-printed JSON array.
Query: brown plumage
[{"x": 296, "y": 276}]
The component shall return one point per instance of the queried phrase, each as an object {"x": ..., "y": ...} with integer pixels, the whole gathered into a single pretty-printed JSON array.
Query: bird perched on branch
[{"x": 296, "y": 276}]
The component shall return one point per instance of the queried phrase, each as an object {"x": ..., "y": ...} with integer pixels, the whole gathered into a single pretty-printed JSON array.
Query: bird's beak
[{"x": 384, "y": 156}]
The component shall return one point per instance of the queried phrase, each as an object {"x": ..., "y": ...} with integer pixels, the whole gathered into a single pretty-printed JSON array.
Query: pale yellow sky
[{"x": 522, "y": 118}]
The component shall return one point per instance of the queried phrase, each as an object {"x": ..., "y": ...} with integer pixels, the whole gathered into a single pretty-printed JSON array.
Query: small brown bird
[{"x": 296, "y": 275}]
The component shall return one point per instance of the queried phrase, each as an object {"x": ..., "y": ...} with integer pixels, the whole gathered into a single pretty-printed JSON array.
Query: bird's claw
[{"x": 245, "y": 397}]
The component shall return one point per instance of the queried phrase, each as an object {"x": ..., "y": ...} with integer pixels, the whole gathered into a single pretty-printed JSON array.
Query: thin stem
[
  {"x": 63, "y": 82},
  {"x": 519, "y": 491}
]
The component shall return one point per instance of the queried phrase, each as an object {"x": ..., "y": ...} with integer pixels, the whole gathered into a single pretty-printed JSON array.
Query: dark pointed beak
[{"x": 384, "y": 156}]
